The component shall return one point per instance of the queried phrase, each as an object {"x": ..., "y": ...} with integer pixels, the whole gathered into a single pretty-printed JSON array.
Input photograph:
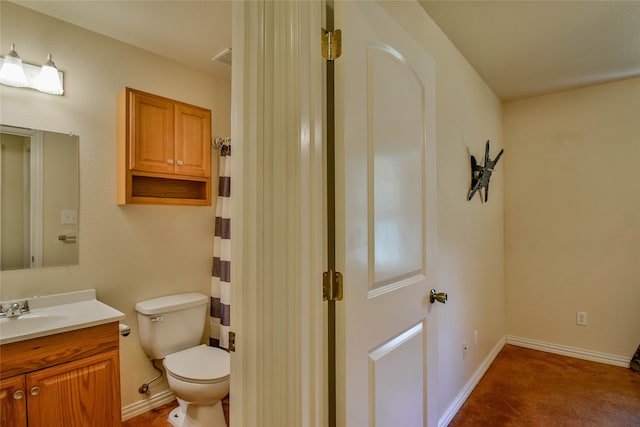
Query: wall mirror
[{"x": 39, "y": 183}]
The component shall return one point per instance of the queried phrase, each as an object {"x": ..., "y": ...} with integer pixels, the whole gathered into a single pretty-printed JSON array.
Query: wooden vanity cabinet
[
  {"x": 71, "y": 379},
  {"x": 164, "y": 150},
  {"x": 13, "y": 402}
]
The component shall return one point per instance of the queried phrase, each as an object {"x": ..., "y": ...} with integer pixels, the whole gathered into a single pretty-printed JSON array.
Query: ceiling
[
  {"x": 527, "y": 48},
  {"x": 520, "y": 48},
  {"x": 189, "y": 32}
]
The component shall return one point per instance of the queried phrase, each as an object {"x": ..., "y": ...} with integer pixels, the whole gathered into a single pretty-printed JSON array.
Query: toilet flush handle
[{"x": 157, "y": 318}]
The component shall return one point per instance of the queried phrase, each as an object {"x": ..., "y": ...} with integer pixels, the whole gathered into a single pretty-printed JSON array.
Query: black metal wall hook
[{"x": 481, "y": 175}]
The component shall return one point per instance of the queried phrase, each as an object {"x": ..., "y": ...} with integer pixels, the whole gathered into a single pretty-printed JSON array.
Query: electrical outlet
[
  {"x": 475, "y": 338},
  {"x": 581, "y": 318},
  {"x": 465, "y": 350}
]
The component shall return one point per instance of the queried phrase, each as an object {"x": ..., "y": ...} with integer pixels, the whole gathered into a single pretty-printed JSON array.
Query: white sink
[{"x": 57, "y": 313}]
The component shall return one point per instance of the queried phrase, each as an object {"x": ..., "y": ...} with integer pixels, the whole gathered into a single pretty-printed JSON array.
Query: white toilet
[{"x": 171, "y": 328}]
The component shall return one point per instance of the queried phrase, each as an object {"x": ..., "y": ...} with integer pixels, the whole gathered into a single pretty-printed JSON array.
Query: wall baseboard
[
  {"x": 145, "y": 405},
  {"x": 459, "y": 400},
  {"x": 563, "y": 350}
]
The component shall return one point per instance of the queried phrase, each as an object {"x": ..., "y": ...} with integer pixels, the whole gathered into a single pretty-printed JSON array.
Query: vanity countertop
[{"x": 52, "y": 314}]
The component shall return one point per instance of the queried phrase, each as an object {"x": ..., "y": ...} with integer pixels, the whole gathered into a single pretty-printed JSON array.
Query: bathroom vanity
[{"x": 69, "y": 377}]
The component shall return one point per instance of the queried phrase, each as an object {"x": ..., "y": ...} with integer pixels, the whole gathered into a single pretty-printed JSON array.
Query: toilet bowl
[
  {"x": 199, "y": 377},
  {"x": 170, "y": 329}
]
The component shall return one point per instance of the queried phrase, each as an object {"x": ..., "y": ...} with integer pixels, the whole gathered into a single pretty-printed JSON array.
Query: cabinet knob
[
  {"x": 19, "y": 394},
  {"x": 170, "y": 161},
  {"x": 35, "y": 391},
  {"x": 179, "y": 162}
]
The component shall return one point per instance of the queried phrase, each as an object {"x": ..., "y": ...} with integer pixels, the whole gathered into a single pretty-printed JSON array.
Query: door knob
[
  {"x": 19, "y": 394},
  {"x": 35, "y": 391},
  {"x": 440, "y": 297}
]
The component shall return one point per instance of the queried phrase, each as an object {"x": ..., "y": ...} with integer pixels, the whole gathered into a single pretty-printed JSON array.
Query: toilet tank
[{"x": 171, "y": 323}]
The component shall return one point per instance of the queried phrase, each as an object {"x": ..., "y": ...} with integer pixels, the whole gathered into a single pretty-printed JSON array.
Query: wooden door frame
[{"x": 278, "y": 374}]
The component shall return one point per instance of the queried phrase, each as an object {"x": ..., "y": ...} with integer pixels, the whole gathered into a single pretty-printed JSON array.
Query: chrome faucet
[{"x": 15, "y": 309}]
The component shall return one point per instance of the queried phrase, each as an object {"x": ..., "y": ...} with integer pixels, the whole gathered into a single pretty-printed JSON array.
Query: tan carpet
[{"x": 532, "y": 388}]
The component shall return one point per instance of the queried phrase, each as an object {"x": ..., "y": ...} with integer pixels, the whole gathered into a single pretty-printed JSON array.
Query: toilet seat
[{"x": 201, "y": 364}]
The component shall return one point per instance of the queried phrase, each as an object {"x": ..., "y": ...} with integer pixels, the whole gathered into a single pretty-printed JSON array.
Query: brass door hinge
[
  {"x": 331, "y": 44},
  {"x": 232, "y": 341},
  {"x": 332, "y": 286}
]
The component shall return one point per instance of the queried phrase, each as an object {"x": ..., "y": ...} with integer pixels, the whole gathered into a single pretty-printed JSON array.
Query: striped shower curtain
[{"x": 221, "y": 272}]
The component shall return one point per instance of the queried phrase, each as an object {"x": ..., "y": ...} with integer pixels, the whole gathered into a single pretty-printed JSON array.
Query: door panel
[
  {"x": 395, "y": 123},
  {"x": 13, "y": 402},
  {"x": 386, "y": 233},
  {"x": 76, "y": 394},
  {"x": 385, "y": 380}
]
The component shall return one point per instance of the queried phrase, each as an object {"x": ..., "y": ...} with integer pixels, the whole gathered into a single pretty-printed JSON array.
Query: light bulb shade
[
  {"x": 49, "y": 78},
  {"x": 11, "y": 72}
]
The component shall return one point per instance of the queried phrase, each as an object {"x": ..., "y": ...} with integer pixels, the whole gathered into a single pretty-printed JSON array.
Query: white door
[{"x": 386, "y": 230}]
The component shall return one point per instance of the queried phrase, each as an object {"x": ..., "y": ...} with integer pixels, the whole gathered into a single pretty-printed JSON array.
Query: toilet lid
[{"x": 199, "y": 364}]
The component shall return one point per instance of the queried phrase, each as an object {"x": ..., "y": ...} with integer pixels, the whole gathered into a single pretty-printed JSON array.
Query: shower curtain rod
[{"x": 219, "y": 142}]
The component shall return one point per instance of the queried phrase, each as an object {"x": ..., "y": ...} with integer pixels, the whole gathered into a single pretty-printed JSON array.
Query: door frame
[
  {"x": 33, "y": 234},
  {"x": 278, "y": 374},
  {"x": 278, "y": 210}
]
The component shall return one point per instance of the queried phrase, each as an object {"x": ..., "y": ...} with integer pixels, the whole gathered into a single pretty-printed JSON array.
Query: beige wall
[
  {"x": 573, "y": 217},
  {"x": 127, "y": 253},
  {"x": 470, "y": 234}
]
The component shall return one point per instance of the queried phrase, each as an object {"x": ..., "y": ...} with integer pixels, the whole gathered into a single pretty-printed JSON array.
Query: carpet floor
[{"x": 529, "y": 388}]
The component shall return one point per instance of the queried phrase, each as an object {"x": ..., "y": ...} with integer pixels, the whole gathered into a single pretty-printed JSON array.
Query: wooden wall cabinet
[
  {"x": 164, "y": 150},
  {"x": 70, "y": 379}
]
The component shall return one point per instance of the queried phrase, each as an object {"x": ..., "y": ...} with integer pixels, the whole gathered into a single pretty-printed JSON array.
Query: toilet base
[{"x": 197, "y": 415}]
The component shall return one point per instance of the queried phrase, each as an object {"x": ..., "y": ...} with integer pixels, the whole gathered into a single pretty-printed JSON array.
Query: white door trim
[{"x": 278, "y": 215}]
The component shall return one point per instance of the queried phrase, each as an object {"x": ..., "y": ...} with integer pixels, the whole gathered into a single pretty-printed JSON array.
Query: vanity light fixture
[
  {"x": 47, "y": 78},
  {"x": 11, "y": 72}
]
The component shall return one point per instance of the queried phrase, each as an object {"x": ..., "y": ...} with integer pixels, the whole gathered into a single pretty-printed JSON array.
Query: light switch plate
[{"x": 68, "y": 216}]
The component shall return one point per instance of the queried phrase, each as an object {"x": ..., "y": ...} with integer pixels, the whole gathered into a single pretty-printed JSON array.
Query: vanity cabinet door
[
  {"x": 13, "y": 402},
  {"x": 82, "y": 393}
]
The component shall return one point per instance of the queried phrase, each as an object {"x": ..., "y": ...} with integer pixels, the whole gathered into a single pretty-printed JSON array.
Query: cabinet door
[
  {"x": 13, "y": 406},
  {"x": 82, "y": 393},
  {"x": 151, "y": 129},
  {"x": 193, "y": 141}
]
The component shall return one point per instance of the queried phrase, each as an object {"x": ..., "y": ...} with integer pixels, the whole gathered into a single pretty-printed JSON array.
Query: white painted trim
[
  {"x": 459, "y": 400},
  {"x": 37, "y": 198},
  {"x": 277, "y": 215},
  {"x": 241, "y": 399},
  {"x": 145, "y": 405},
  {"x": 564, "y": 350}
]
